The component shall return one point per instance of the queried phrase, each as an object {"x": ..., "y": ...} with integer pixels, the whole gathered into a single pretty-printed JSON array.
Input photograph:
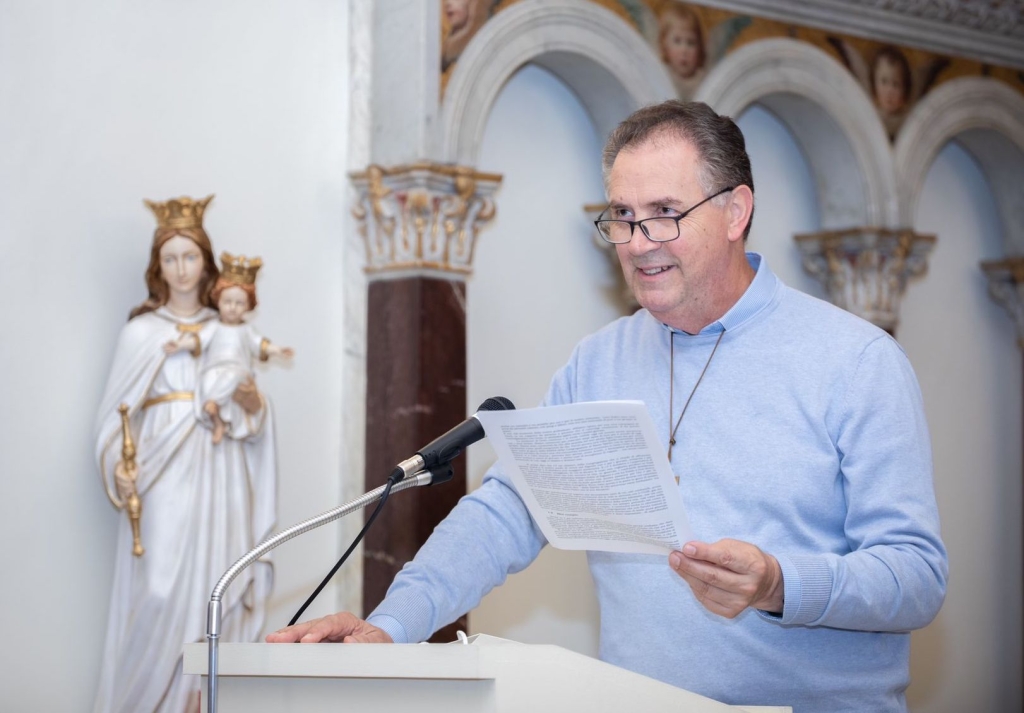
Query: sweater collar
[{"x": 757, "y": 296}]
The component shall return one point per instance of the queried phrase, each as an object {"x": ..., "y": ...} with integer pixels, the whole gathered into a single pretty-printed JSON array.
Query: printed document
[{"x": 594, "y": 475}]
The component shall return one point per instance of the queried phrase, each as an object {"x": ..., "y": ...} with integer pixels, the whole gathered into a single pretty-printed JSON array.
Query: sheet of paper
[{"x": 593, "y": 475}]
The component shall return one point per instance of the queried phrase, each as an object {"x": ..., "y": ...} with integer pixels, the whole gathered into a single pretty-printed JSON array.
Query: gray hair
[{"x": 721, "y": 149}]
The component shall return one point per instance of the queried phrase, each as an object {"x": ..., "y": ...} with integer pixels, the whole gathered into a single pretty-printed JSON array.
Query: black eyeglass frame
[{"x": 634, "y": 223}]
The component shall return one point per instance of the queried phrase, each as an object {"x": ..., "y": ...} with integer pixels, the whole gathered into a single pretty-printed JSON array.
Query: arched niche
[
  {"x": 605, "y": 62},
  {"x": 984, "y": 116},
  {"x": 829, "y": 115}
]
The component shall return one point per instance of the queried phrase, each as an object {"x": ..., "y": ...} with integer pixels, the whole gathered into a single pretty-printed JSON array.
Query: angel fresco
[
  {"x": 892, "y": 83},
  {"x": 462, "y": 20},
  {"x": 682, "y": 45}
]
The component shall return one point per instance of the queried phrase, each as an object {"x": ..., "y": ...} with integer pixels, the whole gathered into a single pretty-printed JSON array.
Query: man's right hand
[{"x": 343, "y": 627}]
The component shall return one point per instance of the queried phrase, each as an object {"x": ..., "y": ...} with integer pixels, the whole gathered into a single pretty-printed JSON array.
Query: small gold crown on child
[{"x": 239, "y": 269}]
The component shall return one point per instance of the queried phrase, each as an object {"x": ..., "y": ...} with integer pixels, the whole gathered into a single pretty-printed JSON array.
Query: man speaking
[{"x": 796, "y": 431}]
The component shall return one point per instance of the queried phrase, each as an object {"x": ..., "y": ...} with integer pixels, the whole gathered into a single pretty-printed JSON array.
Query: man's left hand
[{"x": 729, "y": 576}]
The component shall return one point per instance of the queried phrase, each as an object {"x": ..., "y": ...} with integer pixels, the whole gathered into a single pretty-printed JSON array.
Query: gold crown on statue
[
  {"x": 180, "y": 212},
  {"x": 239, "y": 269}
]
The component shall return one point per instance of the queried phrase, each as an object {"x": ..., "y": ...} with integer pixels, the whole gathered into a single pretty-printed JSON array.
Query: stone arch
[
  {"x": 603, "y": 60},
  {"x": 829, "y": 115},
  {"x": 983, "y": 115}
]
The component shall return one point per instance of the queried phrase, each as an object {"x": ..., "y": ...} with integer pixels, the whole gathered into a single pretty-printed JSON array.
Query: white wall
[
  {"x": 963, "y": 348},
  {"x": 104, "y": 104}
]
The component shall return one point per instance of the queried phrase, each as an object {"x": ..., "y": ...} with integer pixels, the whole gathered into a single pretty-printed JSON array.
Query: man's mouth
[{"x": 651, "y": 271}]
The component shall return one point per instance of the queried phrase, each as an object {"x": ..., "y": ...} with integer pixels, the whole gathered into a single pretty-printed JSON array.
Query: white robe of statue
[
  {"x": 229, "y": 352},
  {"x": 203, "y": 507}
]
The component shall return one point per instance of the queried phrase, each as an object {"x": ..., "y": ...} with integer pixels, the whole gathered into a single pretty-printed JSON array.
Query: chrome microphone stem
[{"x": 213, "y": 615}]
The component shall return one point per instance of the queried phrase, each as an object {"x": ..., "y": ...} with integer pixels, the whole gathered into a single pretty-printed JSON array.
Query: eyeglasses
[{"x": 659, "y": 229}]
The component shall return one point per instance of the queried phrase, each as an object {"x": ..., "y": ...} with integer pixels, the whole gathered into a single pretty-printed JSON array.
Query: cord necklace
[{"x": 672, "y": 381}]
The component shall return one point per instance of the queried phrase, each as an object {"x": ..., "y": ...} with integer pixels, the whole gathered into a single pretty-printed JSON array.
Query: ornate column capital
[
  {"x": 422, "y": 218},
  {"x": 1006, "y": 287},
  {"x": 865, "y": 270}
]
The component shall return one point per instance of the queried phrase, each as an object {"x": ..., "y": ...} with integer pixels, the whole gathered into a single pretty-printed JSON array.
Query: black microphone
[{"x": 450, "y": 445}]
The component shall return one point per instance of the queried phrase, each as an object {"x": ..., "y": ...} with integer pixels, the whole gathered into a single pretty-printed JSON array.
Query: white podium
[{"x": 485, "y": 675}]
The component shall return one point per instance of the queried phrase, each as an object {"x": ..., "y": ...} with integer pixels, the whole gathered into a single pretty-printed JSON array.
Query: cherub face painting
[
  {"x": 682, "y": 42},
  {"x": 890, "y": 80},
  {"x": 457, "y": 14}
]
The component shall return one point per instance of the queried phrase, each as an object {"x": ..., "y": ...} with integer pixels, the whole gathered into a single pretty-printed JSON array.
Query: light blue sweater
[{"x": 807, "y": 437}]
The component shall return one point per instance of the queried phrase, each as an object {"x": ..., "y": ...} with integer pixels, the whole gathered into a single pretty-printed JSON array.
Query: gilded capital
[
  {"x": 865, "y": 270},
  {"x": 423, "y": 217},
  {"x": 1006, "y": 287}
]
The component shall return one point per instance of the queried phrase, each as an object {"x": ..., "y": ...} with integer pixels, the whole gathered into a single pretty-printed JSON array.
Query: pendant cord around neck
[{"x": 672, "y": 381}]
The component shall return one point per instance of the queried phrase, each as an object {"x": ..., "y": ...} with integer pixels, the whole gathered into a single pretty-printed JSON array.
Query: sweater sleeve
[
  {"x": 894, "y": 576},
  {"x": 488, "y": 535}
]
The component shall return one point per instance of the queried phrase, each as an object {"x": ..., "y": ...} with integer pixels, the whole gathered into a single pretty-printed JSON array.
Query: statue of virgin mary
[{"x": 202, "y": 505}]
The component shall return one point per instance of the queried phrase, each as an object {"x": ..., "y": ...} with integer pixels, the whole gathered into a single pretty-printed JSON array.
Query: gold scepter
[{"x": 126, "y": 472}]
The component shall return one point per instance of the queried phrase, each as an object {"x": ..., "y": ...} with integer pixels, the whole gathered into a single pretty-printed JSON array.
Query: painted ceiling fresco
[{"x": 690, "y": 39}]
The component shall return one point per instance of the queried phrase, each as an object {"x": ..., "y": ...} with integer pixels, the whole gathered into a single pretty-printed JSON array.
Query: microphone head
[{"x": 497, "y": 403}]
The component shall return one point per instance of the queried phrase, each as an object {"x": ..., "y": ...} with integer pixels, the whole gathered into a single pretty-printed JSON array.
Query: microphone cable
[
  {"x": 440, "y": 473},
  {"x": 355, "y": 543},
  {"x": 436, "y": 458}
]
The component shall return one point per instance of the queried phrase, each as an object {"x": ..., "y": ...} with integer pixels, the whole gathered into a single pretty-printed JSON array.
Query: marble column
[
  {"x": 419, "y": 223},
  {"x": 865, "y": 270}
]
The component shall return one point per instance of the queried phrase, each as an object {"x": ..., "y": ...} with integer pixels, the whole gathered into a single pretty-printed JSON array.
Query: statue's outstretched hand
[{"x": 341, "y": 627}]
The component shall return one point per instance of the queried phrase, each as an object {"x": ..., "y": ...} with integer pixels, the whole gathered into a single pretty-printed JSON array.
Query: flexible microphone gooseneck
[{"x": 449, "y": 446}]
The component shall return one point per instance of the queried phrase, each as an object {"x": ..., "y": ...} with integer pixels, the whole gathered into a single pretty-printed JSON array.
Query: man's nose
[{"x": 639, "y": 243}]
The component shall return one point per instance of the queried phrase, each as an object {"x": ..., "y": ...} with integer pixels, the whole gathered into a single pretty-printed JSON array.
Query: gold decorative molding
[
  {"x": 865, "y": 270},
  {"x": 169, "y": 397},
  {"x": 1006, "y": 287},
  {"x": 423, "y": 216}
]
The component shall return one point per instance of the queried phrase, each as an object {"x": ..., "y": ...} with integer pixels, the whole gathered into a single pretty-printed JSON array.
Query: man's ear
[{"x": 741, "y": 207}]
